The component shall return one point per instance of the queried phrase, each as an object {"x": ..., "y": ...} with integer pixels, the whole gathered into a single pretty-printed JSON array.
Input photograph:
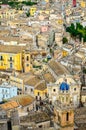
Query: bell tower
[{"x": 63, "y": 109}]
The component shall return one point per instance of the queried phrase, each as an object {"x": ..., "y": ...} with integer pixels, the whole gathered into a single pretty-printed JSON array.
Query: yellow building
[
  {"x": 64, "y": 53},
  {"x": 60, "y": 53},
  {"x": 46, "y": 0},
  {"x": 32, "y": 11},
  {"x": 83, "y": 4},
  {"x": 59, "y": 21},
  {"x": 64, "y": 117},
  {"x": 7, "y": 13},
  {"x": 14, "y": 58},
  {"x": 26, "y": 62},
  {"x": 10, "y": 58},
  {"x": 40, "y": 90},
  {"x": 45, "y": 11}
]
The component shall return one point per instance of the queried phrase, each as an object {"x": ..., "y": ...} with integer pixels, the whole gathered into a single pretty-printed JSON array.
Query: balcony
[
  {"x": 1, "y": 59},
  {"x": 10, "y": 60}
]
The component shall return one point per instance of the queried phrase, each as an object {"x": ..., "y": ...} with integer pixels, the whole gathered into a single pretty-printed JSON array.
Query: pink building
[
  {"x": 44, "y": 28},
  {"x": 74, "y": 3}
]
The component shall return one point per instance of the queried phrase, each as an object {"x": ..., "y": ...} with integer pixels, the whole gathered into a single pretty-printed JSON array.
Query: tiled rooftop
[
  {"x": 32, "y": 81},
  {"x": 41, "y": 86},
  {"x": 48, "y": 77},
  {"x": 9, "y": 105},
  {"x": 23, "y": 100},
  {"x": 36, "y": 117},
  {"x": 11, "y": 48},
  {"x": 58, "y": 68}
]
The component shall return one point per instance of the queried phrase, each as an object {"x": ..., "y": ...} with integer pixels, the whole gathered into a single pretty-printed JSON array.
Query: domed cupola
[{"x": 64, "y": 86}]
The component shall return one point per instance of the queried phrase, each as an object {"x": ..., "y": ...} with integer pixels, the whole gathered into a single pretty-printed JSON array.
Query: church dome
[{"x": 64, "y": 86}]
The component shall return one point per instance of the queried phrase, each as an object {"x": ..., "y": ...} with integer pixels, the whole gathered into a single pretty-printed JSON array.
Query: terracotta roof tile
[
  {"x": 23, "y": 100},
  {"x": 9, "y": 105}
]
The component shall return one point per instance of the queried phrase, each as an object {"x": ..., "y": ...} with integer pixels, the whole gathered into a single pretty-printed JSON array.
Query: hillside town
[{"x": 42, "y": 65}]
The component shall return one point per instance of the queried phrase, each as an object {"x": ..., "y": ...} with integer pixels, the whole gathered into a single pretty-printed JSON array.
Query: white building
[
  {"x": 7, "y": 91},
  {"x": 65, "y": 82}
]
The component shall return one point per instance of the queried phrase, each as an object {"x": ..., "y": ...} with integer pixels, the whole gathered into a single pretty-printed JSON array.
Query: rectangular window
[
  {"x": 40, "y": 126},
  {"x": 27, "y": 58},
  {"x": 25, "y": 88},
  {"x": 38, "y": 94},
  {"x": 3, "y": 96},
  {"x": 11, "y": 65},
  {"x": 31, "y": 90},
  {"x": 27, "y": 65},
  {"x": 67, "y": 116},
  {"x": 2, "y": 90},
  {"x": 1, "y": 57},
  {"x": 10, "y": 58}
]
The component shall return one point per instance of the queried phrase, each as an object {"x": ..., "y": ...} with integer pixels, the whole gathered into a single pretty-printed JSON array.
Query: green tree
[
  {"x": 77, "y": 31},
  {"x": 29, "y": 3},
  {"x": 64, "y": 40},
  {"x": 79, "y": 26},
  {"x": 4, "y": 1},
  {"x": 72, "y": 30},
  {"x": 28, "y": 14}
]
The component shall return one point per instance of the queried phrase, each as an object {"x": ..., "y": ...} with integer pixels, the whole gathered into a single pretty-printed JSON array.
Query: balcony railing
[
  {"x": 10, "y": 60},
  {"x": 1, "y": 59}
]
